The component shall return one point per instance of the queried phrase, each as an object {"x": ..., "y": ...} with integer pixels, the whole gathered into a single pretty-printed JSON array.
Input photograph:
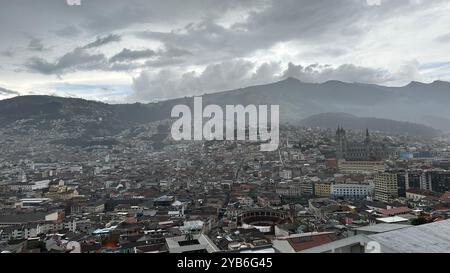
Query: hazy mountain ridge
[
  {"x": 416, "y": 103},
  {"x": 332, "y": 120}
]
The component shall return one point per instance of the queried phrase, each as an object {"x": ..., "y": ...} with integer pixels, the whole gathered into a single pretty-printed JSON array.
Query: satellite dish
[{"x": 74, "y": 247}]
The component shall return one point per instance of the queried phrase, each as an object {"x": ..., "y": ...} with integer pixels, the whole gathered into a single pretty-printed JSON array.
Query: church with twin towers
[{"x": 365, "y": 150}]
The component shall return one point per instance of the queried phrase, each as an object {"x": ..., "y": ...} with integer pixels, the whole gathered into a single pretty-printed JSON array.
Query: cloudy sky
[{"x": 146, "y": 50}]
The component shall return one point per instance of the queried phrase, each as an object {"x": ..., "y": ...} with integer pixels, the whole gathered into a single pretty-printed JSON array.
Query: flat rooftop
[
  {"x": 379, "y": 228},
  {"x": 428, "y": 238}
]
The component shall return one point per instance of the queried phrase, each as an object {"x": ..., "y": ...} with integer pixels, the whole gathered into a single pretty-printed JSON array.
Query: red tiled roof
[
  {"x": 423, "y": 192},
  {"x": 313, "y": 240},
  {"x": 395, "y": 211}
]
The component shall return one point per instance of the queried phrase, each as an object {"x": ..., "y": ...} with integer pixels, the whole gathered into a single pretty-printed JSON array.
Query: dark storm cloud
[
  {"x": 311, "y": 22},
  {"x": 4, "y": 91},
  {"x": 36, "y": 45},
  {"x": 78, "y": 59},
  {"x": 269, "y": 22},
  {"x": 159, "y": 58},
  {"x": 121, "y": 14},
  {"x": 97, "y": 17},
  {"x": 81, "y": 59},
  {"x": 131, "y": 55},
  {"x": 101, "y": 41},
  {"x": 317, "y": 21}
]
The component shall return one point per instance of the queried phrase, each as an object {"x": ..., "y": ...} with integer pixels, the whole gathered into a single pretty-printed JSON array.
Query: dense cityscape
[
  {"x": 323, "y": 190},
  {"x": 224, "y": 135}
]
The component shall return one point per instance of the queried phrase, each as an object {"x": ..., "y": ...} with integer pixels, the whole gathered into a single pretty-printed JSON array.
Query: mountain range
[{"x": 412, "y": 109}]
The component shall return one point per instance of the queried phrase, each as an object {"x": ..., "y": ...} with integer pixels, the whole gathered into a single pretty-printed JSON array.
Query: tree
[{"x": 420, "y": 221}]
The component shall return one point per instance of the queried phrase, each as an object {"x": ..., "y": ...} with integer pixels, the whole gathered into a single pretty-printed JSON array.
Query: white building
[
  {"x": 40, "y": 185},
  {"x": 351, "y": 191}
]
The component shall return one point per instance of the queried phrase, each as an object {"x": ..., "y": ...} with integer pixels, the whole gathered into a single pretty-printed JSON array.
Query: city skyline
[{"x": 231, "y": 128}]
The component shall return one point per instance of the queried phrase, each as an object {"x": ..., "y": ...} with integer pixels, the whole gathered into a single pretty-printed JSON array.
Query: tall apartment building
[
  {"x": 386, "y": 186},
  {"x": 436, "y": 180},
  {"x": 408, "y": 179},
  {"x": 413, "y": 178},
  {"x": 430, "y": 180},
  {"x": 360, "y": 167}
]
